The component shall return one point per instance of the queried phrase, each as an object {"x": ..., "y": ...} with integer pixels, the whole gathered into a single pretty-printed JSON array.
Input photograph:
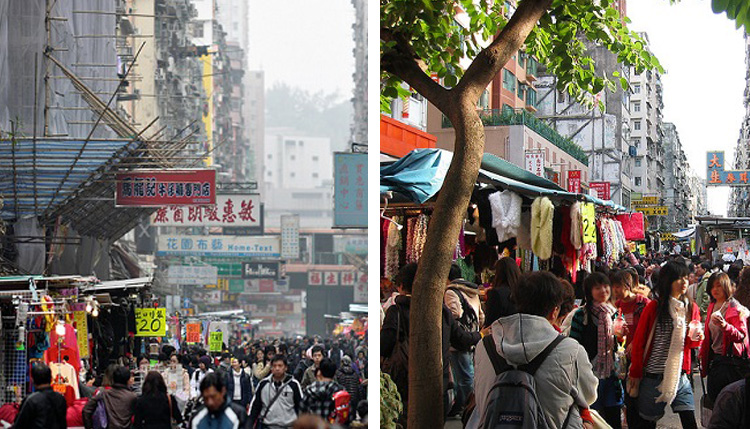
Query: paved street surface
[{"x": 670, "y": 420}]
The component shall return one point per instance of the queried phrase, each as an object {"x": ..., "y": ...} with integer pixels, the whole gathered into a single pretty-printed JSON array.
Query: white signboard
[
  {"x": 360, "y": 289},
  {"x": 266, "y": 286},
  {"x": 192, "y": 275},
  {"x": 219, "y": 245},
  {"x": 334, "y": 278},
  {"x": 290, "y": 237},
  {"x": 356, "y": 244},
  {"x": 535, "y": 162},
  {"x": 230, "y": 210}
]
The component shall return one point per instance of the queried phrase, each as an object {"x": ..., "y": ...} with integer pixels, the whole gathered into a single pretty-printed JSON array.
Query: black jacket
[
  {"x": 302, "y": 366},
  {"x": 43, "y": 409},
  {"x": 453, "y": 334},
  {"x": 153, "y": 412},
  {"x": 347, "y": 377},
  {"x": 245, "y": 387},
  {"x": 498, "y": 304}
]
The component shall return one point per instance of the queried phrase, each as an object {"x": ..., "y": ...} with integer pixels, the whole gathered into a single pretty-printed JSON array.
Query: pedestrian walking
[
  {"x": 317, "y": 356},
  {"x": 239, "y": 385},
  {"x": 317, "y": 398},
  {"x": 204, "y": 368},
  {"x": 499, "y": 303},
  {"x": 45, "y": 408},
  {"x": 119, "y": 402},
  {"x": 156, "y": 408},
  {"x": 278, "y": 398},
  {"x": 218, "y": 411},
  {"x": 661, "y": 357}
]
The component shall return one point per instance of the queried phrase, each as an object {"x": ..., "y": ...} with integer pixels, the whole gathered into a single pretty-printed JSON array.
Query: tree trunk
[{"x": 426, "y": 316}]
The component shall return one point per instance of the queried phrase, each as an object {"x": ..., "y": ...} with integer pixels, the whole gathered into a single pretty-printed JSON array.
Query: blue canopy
[{"x": 419, "y": 174}]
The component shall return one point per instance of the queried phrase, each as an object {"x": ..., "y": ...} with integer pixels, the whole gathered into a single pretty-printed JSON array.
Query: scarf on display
[
  {"x": 605, "y": 340},
  {"x": 576, "y": 231},
  {"x": 673, "y": 365},
  {"x": 542, "y": 213},
  {"x": 506, "y": 214},
  {"x": 416, "y": 235},
  {"x": 392, "y": 248}
]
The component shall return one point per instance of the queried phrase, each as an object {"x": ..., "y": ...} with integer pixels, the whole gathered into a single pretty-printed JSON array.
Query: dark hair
[
  {"x": 212, "y": 379},
  {"x": 622, "y": 277},
  {"x": 742, "y": 293},
  {"x": 278, "y": 358},
  {"x": 706, "y": 265},
  {"x": 593, "y": 280},
  {"x": 455, "y": 272},
  {"x": 569, "y": 298},
  {"x": 41, "y": 374},
  {"x": 634, "y": 276},
  {"x": 327, "y": 368},
  {"x": 669, "y": 273},
  {"x": 405, "y": 276},
  {"x": 121, "y": 375},
  {"x": 734, "y": 270},
  {"x": 640, "y": 270},
  {"x": 724, "y": 281},
  {"x": 154, "y": 384},
  {"x": 507, "y": 274},
  {"x": 542, "y": 292},
  {"x": 269, "y": 349},
  {"x": 316, "y": 349}
]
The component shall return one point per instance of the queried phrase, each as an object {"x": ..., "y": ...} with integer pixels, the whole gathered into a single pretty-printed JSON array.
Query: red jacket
[
  {"x": 642, "y": 351},
  {"x": 735, "y": 332}
]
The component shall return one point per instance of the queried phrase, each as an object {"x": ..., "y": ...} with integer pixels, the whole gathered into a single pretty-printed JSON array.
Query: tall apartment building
[
  {"x": 604, "y": 135},
  {"x": 255, "y": 122},
  {"x": 359, "y": 99},
  {"x": 739, "y": 201},
  {"x": 297, "y": 178},
  {"x": 646, "y": 107},
  {"x": 676, "y": 193}
]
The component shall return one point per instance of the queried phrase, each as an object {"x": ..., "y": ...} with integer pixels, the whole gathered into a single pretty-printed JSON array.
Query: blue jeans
[{"x": 462, "y": 365}]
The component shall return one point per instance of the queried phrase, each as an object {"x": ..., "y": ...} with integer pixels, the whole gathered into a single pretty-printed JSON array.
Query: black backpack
[{"x": 512, "y": 401}]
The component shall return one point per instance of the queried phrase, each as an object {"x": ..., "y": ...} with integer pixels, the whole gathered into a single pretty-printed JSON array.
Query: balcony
[{"x": 505, "y": 117}]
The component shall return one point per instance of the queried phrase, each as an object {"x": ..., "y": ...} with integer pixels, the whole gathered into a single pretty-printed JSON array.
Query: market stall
[{"x": 512, "y": 213}]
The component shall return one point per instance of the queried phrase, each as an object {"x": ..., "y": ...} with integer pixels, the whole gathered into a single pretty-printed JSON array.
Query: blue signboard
[
  {"x": 717, "y": 175},
  {"x": 350, "y": 190}
]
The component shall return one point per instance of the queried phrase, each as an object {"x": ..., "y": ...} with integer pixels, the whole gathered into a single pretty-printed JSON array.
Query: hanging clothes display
[
  {"x": 485, "y": 214},
  {"x": 65, "y": 373},
  {"x": 633, "y": 226},
  {"x": 506, "y": 214},
  {"x": 67, "y": 348},
  {"x": 392, "y": 249},
  {"x": 416, "y": 235},
  {"x": 576, "y": 231},
  {"x": 542, "y": 212},
  {"x": 523, "y": 240}
]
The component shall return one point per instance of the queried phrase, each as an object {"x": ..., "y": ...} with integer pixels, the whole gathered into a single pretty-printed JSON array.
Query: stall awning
[{"x": 421, "y": 173}]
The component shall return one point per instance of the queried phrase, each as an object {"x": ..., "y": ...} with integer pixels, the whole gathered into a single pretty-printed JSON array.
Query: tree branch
[
  {"x": 403, "y": 63},
  {"x": 491, "y": 59}
]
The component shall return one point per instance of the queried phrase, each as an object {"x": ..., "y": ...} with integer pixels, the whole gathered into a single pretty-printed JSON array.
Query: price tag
[
  {"x": 215, "y": 341},
  {"x": 588, "y": 222},
  {"x": 193, "y": 332},
  {"x": 150, "y": 322}
]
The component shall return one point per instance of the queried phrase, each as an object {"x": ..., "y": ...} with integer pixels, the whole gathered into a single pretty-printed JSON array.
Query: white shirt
[{"x": 237, "y": 395}]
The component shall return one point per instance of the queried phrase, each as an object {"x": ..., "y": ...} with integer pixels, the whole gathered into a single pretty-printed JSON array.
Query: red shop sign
[
  {"x": 602, "y": 189},
  {"x": 574, "y": 181},
  {"x": 166, "y": 188}
]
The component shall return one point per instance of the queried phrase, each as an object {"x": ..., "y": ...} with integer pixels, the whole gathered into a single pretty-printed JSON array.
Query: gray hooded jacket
[{"x": 565, "y": 374}]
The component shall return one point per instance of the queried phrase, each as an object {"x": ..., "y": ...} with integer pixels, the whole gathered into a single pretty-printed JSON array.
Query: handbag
[{"x": 705, "y": 402}]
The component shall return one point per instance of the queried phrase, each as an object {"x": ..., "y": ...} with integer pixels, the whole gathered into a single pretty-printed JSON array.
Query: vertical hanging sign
[{"x": 82, "y": 333}]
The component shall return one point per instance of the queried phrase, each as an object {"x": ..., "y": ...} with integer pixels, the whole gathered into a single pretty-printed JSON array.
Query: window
[
  {"x": 636, "y": 142},
  {"x": 484, "y": 100},
  {"x": 636, "y": 106},
  {"x": 636, "y": 88},
  {"x": 531, "y": 97},
  {"x": 521, "y": 59},
  {"x": 521, "y": 90},
  {"x": 637, "y": 125},
  {"x": 509, "y": 80},
  {"x": 560, "y": 96},
  {"x": 531, "y": 65},
  {"x": 637, "y": 181},
  {"x": 638, "y": 162},
  {"x": 198, "y": 30}
]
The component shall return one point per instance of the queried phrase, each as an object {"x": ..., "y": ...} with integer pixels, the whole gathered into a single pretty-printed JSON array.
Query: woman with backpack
[
  {"x": 723, "y": 354},
  {"x": 593, "y": 328},
  {"x": 155, "y": 409},
  {"x": 660, "y": 354},
  {"x": 498, "y": 302}
]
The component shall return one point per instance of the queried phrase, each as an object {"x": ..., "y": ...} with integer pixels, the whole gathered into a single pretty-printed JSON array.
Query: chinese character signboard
[
  {"x": 574, "y": 181},
  {"x": 219, "y": 245},
  {"x": 263, "y": 270},
  {"x": 350, "y": 190},
  {"x": 150, "y": 322},
  {"x": 193, "y": 333},
  {"x": 82, "y": 329},
  {"x": 718, "y": 176},
  {"x": 360, "y": 289},
  {"x": 192, "y": 275},
  {"x": 290, "y": 237},
  {"x": 215, "y": 341},
  {"x": 356, "y": 244},
  {"x": 653, "y": 211},
  {"x": 334, "y": 278},
  {"x": 535, "y": 162},
  {"x": 315, "y": 278},
  {"x": 601, "y": 188},
  {"x": 229, "y": 210},
  {"x": 165, "y": 188}
]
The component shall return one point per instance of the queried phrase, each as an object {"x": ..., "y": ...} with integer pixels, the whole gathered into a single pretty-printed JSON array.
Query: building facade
[{"x": 739, "y": 201}]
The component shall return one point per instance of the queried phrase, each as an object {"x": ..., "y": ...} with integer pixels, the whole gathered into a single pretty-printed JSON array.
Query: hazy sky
[
  {"x": 704, "y": 58},
  {"x": 305, "y": 43}
]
